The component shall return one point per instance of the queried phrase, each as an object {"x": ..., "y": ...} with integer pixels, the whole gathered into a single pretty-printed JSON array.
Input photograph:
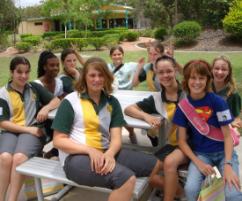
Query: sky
[{"x": 25, "y": 3}]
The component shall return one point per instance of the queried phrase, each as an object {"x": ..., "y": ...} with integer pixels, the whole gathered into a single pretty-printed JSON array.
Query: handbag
[
  {"x": 212, "y": 188},
  {"x": 202, "y": 126}
]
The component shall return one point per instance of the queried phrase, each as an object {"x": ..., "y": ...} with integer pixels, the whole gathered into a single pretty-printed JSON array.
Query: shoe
[
  {"x": 133, "y": 138},
  {"x": 154, "y": 140}
]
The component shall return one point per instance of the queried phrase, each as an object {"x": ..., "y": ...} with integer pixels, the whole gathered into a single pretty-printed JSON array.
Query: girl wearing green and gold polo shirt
[
  {"x": 24, "y": 107},
  {"x": 87, "y": 133}
]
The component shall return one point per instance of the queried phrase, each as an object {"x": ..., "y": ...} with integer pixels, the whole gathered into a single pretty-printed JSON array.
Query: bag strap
[
  {"x": 193, "y": 117},
  {"x": 117, "y": 68}
]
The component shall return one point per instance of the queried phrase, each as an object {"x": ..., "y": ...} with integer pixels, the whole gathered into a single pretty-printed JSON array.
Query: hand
[
  {"x": 42, "y": 114},
  {"x": 97, "y": 160},
  {"x": 230, "y": 177},
  {"x": 155, "y": 122},
  {"x": 109, "y": 164},
  {"x": 35, "y": 131},
  {"x": 141, "y": 62},
  {"x": 73, "y": 72},
  {"x": 237, "y": 123},
  {"x": 205, "y": 168}
]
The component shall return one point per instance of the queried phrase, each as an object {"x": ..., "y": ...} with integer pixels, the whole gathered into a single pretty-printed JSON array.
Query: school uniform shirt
[
  {"x": 87, "y": 123},
  {"x": 147, "y": 74},
  {"x": 159, "y": 104},
  {"x": 214, "y": 110},
  {"x": 234, "y": 100},
  {"x": 58, "y": 86},
  {"x": 22, "y": 109},
  {"x": 124, "y": 76},
  {"x": 68, "y": 83}
]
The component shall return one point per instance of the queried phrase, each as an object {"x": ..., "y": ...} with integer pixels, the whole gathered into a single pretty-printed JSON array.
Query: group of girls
[{"x": 87, "y": 126}]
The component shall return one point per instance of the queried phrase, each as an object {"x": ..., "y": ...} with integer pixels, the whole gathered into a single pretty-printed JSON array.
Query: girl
[
  {"x": 123, "y": 74},
  {"x": 21, "y": 122},
  {"x": 203, "y": 151},
  {"x": 164, "y": 103},
  {"x": 224, "y": 85},
  {"x": 48, "y": 69},
  {"x": 146, "y": 72},
  {"x": 70, "y": 73},
  {"x": 88, "y": 135}
]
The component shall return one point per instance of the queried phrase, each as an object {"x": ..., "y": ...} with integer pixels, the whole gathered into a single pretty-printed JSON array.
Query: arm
[
  {"x": 63, "y": 142},
  {"x": 139, "y": 68},
  {"x": 15, "y": 128},
  {"x": 229, "y": 175},
  {"x": 136, "y": 112},
  {"x": 43, "y": 113},
  {"x": 114, "y": 148},
  {"x": 206, "y": 169}
]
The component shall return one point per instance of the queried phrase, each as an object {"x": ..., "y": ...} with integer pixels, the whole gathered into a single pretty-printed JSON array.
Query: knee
[
  {"x": 132, "y": 181},
  {"x": 19, "y": 158},
  {"x": 170, "y": 164},
  {"x": 6, "y": 159}
]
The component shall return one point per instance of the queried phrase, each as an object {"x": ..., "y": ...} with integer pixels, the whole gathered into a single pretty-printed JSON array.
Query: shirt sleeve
[
  {"x": 4, "y": 110},
  {"x": 142, "y": 76},
  {"x": 179, "y": 118},
  {"x": 222, "y": 111},
  {"x": 234, "y": 102},
  {"x": 117, "y": 118},
  {"x": 147, "y": 105},
  {"x": 64, "y": 118},
  {"x": 67, "y": 84}
]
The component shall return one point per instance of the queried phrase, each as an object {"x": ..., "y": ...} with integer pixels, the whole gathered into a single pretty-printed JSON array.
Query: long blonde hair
[{"x": 229, "y": 80}]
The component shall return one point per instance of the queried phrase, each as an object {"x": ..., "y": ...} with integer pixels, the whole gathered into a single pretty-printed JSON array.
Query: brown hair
[
  {"x": 99, "y": 65},
  {"x": 157, "y": 46},
  {"x": 229, "y": 79},
  {"x": 200, "y": 67},
  {"x": 117, "y": 47}
]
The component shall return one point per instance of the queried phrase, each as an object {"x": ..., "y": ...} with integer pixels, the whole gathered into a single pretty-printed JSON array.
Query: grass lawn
[{"x": 181, "y": 57}]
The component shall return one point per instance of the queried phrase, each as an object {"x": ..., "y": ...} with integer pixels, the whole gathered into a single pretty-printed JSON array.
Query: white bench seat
[{"x": 51, "y": 169}]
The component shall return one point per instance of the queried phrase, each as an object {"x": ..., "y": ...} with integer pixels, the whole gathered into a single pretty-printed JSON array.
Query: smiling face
[
  {"x": 52, "y": 67},
  {"x": 94, "y": 80},
  {"x": 166, "y": 73},
  {"x": 20, "y": 75},
  {"x": 220, "y": 71},
  {"x": 117, "y": 57},
  {"x": 197, "y": 85}
]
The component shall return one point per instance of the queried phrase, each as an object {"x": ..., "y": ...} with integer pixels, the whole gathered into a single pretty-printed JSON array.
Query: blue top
[{"x": 214, "y": 110}]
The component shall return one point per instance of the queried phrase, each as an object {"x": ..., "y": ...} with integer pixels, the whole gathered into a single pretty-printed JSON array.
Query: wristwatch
[{"x": 229, "y": 162}]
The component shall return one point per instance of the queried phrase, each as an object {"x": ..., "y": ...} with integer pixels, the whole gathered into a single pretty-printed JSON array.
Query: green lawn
[{"x": 181, "y": 57}]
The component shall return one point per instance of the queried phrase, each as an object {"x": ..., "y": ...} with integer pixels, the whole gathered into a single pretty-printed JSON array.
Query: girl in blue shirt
[{"x": 203, "y": 151}]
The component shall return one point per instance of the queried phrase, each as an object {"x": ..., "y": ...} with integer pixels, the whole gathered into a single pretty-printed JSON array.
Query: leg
[
  {"x": 132, "y": 135},
  {"x": 156, "y": 180},
  {"x": 195, "y": 179},
  {"x": 231, "y": 194},
  {"x": 17, "y": 179},
  {"x": 124, "y": 193},
  {"x": 171, "y": 163},
  {"x": 5, "y": 172}
]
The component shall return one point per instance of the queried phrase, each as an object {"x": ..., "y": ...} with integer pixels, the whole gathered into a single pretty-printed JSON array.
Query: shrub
[
  {"x": 3, "y": 40},
  {"x": 111, "y": 40},
  {"x": 233, "y": 21},
  {"x": 160, "y": 33},
  {"x": 22, "y": 36},
  {"x": 97, "y": 42},
  {"x": 23, "y": 46},
  {"x": 146, "y": 33},
  {"x": 51, "y": 34},
  {"x": 129, "y": 36},
  {"x": 187, "y": 31},
  {"x": 67, "y": 43},
  {"x": 34, "y": 40}
]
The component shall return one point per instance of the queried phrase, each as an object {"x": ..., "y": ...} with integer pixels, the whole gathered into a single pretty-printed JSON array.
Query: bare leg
[
  {"x": 132, "y": 135},
  {"x": 171, "y": 163},
  {"x": 5, "y": 172},
  {"x": 156, "y": 180},
  {"x": 124, "y": 193},
  {"x": 16, "y": 178}
]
